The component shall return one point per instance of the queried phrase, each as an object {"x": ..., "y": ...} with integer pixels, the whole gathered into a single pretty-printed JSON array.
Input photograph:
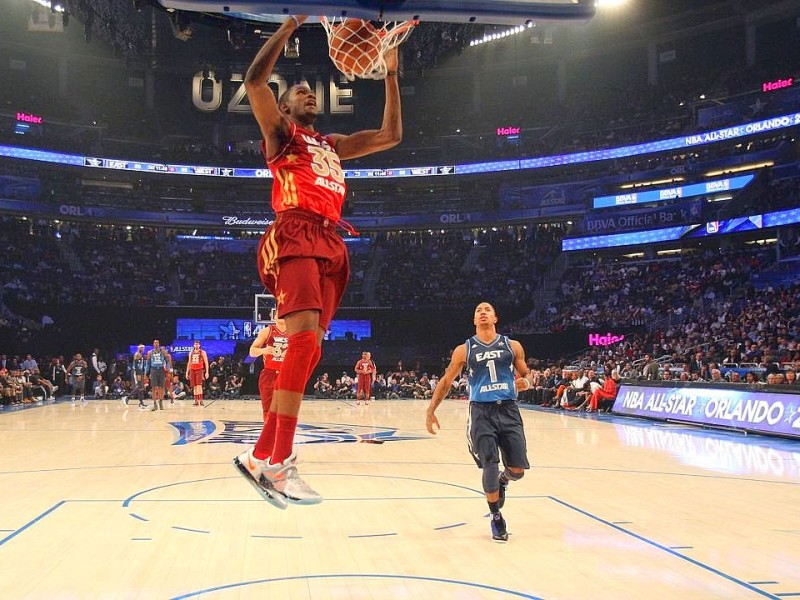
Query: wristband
[
  {"x": 296, "y": 22},
  {"x": 388, "y": 73}
]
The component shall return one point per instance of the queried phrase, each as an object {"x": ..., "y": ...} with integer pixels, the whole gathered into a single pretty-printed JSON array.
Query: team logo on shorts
[{"x": 247, "y": 432}]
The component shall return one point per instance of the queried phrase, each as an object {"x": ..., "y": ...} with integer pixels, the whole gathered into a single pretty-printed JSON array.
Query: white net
[{"x": 357, "y": 47}]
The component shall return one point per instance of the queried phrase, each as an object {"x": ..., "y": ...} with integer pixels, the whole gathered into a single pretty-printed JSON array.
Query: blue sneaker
[
  {"x": 499, "y": 533},
  {"x": 502, "y": 500}
]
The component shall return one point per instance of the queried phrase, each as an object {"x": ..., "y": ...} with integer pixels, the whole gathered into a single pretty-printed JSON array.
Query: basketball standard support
[{"x": 485, "y": 12}]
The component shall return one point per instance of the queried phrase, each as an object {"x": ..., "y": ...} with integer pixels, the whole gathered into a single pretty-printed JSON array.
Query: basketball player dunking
[
  {"x": 495, "y": 424},
  {"x": 197, "y": 372},
  {"x": 301, "y": 259}
]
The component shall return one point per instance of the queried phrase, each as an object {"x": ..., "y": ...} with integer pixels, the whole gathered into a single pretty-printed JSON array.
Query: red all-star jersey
[
  {"x": 365, "y": 367},
  {"x": 196, "y": 362},
  {"x": 278, "y": 342},
  {"x": 308, "y": 175}
]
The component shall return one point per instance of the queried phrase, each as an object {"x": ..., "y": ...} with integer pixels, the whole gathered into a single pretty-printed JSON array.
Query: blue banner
[
  {"x": 549, "y": 197},
  {"x": 22, "y": 188},
  {"x": 605, "y": 221},
  {"x": 208, "y": 243},
  {"x": 179, "y": 349},
  {"x": 730, "y": 406},
  {"x": 669, "y": 234},
  {"x": 672, "y": 193},
  {"x": 749, "y": 106}
]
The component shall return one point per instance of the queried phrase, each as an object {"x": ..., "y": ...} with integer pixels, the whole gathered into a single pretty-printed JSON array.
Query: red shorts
[
  {"x": 303, "y": 262},
  {"x": 195, "y": 377},
  {"x": 266, "y": 383},
  {"x": 364, "y": 384}
]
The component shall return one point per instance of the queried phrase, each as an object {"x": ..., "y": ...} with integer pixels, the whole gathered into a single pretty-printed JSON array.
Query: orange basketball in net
[{"x": 355, "y": 47}]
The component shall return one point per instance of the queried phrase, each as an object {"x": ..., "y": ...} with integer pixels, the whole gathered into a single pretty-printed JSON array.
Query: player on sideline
[
  {"x": 138, "y": 373},
  {"x": 270, "y": 343},
  {"x": 197, "y": 372},
  {"x": 365, "y": 373},
  {"x": 494, "y": 419},
  {"x": 301, "y": 259},
  {"x": 76, "y": 371},
  {"x": 158, "y": 363}
]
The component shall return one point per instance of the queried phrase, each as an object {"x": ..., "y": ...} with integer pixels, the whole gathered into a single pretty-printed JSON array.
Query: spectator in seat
[
  {"x": 650, "y": 369},
  {"x": 323, "y": 387},
  {"x": 6, "y": 387},
  {"x": 117, "y": 388},
  {"x": 605, "y": 395},
  {"x": 29, "y": 364},
  {"x": 100, "y": 388},
  {"x": 215, "y": 388},
  {"x": 178, "y": 389},
  {"x": 233, "y": 387}
]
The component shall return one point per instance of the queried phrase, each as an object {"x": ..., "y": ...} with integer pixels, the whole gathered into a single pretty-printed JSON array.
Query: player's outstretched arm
[
  {"x": 390, "y": 134},
  {"x": 265, "y": 107},
  {"x": 457, "y": 362}
]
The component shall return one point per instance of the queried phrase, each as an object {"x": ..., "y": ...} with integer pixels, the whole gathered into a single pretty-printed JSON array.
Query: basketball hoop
[{"x": 357, "y": 47}]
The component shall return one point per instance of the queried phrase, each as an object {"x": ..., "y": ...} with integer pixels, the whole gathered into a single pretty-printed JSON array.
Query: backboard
[
  {"x": 264, "y": 309},
  {"x": 486, "y": 12}
]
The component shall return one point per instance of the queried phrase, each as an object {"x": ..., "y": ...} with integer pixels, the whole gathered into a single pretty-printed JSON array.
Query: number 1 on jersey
[{"x": 492, "y": 370}]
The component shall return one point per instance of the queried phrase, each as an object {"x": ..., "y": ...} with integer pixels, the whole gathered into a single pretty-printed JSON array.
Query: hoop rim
[{"x": 388, "y": 36}]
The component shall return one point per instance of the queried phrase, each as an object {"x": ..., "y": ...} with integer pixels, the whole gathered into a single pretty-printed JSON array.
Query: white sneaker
[
  {"x": 252, "y": 469},
  {"x": 287, "y": 481}
]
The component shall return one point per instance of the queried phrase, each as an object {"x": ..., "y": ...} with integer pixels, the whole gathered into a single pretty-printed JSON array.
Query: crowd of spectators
[
  {"x": 628, "y": 293},
  {"x": 48, "y": 263},
  {"x": 436, "y": 269},
  {"x": 23, "y": 381}
]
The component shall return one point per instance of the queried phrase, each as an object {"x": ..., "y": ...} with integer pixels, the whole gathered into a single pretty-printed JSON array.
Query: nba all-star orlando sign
[{"x": 247, "y": 432}]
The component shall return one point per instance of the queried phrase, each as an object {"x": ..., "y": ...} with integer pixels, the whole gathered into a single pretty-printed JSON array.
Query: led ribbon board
[
  {"x": 673, "y": 193},
  {"x": 729, "y": 133}
]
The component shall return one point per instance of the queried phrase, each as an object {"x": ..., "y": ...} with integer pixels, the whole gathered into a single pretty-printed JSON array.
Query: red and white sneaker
[
  {"x": 252, "y": 469},
  {"x": 286, "y": 480}
]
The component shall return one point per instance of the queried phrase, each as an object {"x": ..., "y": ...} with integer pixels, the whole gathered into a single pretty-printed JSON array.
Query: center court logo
[{"x": 247, "y": 432}]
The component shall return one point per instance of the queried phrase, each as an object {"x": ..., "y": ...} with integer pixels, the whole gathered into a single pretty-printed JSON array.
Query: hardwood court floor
[{"x": 104, "y": 502}]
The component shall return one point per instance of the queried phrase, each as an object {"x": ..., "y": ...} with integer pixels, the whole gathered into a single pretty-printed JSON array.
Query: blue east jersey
[{"x": 491, "y": 370}]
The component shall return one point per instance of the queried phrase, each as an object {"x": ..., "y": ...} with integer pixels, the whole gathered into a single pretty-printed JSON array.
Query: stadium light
[
  {"x": 740, "y": 169},
  {"x": 499, "y": 35},
  {"x": 610, "y": 4},
  {"x": 53, "y": 6}
]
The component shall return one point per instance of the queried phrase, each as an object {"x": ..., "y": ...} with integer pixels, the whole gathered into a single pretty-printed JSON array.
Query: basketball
[{"x": 355, "y": 47}]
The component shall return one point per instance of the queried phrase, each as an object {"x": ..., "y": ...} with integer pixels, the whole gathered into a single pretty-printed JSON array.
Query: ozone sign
[
  {"x": 207, "y": 93},
  {"x": 761, "y": 412}
]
